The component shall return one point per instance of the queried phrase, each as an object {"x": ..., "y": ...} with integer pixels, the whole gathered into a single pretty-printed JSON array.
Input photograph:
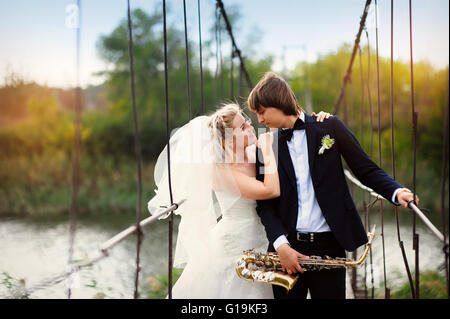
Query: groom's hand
[
  {"x": 405, "y": 196},
  {"x": 289, "y": 259}
]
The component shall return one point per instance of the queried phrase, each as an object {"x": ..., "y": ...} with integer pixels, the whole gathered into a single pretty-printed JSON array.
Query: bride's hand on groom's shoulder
[{"x": 321, "y": 116}]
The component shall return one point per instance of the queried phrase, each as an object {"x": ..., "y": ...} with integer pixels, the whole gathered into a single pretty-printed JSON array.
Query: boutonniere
[{"x": 327, "y": 143}]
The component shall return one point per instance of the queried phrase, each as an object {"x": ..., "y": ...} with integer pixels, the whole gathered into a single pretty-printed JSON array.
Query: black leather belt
[{"x": 313, "y": 237}]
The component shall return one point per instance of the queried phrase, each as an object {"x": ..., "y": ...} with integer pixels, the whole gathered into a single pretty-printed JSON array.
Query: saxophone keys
[
  {"x": 246, "y": 273},
  {"x": 257, "y": 275},
  {"x": 270, "y": 276},
  {"x": 252, "y": 266}
]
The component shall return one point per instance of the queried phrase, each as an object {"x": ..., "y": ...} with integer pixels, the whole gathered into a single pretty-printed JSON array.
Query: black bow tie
[{"x": 298, "y": 125}]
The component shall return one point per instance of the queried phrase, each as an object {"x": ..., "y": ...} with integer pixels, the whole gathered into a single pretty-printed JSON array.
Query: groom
[{"x": 315, "y": 214}]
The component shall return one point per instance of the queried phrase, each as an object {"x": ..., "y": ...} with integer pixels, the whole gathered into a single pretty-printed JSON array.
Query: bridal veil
[{"x": 193, "y": 167}]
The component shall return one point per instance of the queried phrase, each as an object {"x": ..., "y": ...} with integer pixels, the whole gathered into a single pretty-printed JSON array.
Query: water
[{"x": 36, "y": 249}]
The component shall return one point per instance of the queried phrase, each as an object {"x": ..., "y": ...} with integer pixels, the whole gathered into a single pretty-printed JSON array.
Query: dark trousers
[{"x": 322, "y": 284}]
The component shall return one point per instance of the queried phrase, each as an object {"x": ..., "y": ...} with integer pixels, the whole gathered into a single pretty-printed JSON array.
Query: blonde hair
[{"x": 219, "y": 121}]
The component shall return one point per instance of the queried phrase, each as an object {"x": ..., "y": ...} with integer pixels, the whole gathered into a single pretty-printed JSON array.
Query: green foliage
[
  {"x": 158, "y": 285},
  {"x": 432, "y": 286},
  {"x": 41, "y": 185}
]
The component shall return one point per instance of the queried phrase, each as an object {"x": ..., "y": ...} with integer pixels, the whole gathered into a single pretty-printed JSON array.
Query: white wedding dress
[
  {"x": 207, "y": 250},
  {"x": 212, "y": 274}
]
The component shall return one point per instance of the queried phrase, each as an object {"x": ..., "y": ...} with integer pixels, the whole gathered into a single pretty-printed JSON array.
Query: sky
[{"x": 38, "y": 38}]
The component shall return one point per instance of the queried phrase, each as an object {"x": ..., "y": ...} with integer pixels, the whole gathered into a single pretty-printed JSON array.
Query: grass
[
  {"x": 432, "y": 286},
  {"x": 158, "y": 285}
]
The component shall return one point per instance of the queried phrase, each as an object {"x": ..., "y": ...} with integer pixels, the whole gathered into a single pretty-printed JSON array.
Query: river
[{"x": 34, "y": 249}]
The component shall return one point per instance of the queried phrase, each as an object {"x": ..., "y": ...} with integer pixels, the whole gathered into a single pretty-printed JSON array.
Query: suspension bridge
[{"x": 357, "y": 282}]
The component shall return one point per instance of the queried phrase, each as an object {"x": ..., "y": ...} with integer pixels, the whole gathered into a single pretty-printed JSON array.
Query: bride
[{"x": 212, "y": 167}]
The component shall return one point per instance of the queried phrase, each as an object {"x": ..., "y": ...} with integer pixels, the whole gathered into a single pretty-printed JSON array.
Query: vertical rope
[
  {"x": 372, "y": 288},
  {"x": 393, "y": 151},
  {"x": 361, "y": 109},
  {"x": 443, "y": 190},
  {"x": 166, "y": 82},
  {"x": 352, "y": 102},
  {"x": 366, "y": 224},
  {"x": 137, "y": 149},
  {"x": 216, "y": 73},
  {"x": 355, "y": 47},
  {"x": 187, "y": 62},
  {"x": 201, "y": 58},
  {"x": 76, "y": 151},
  {"x": 369, "y": 95},
  {"x": 386, "y": 289},
  {"x": 221, "y": 60},
  {"x": 414, "y": 124},
  {"x": 345, "y": 107},
  {"x": 220, "y": 6},
  {"x": 392, "y": 89},
  {"x": 352, "y": 186},
  {"x": 231, "y": 74},
  {"x": 240, "y": 92},
  {"x": 361, "y": 122}
]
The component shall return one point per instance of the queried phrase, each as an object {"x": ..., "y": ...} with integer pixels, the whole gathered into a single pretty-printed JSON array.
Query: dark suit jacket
[{"x": 279, "y": 215}]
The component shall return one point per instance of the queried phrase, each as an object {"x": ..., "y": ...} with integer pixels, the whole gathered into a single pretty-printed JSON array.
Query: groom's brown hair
[{"x": 273, "y": 91}]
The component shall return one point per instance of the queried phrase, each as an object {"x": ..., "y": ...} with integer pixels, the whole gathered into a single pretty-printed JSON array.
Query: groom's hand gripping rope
[{"x": 405, "y": 196}]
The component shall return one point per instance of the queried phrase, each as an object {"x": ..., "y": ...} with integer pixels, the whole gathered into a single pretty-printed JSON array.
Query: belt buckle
[{"x": 310, "y": 238}]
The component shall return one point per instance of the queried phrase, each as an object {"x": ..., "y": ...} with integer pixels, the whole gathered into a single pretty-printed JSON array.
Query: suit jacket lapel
[
  {"x": 311, "y": 140},
  {"x": 285, "y": 159}
]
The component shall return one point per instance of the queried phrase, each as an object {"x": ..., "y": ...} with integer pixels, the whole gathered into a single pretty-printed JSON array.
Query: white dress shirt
[{"x": 310, "y": 218}]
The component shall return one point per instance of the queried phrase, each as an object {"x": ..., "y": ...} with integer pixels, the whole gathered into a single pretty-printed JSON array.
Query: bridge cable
[
  {"x": 355, "y": 48},
  {"x": 166, "y": 82},
  {"x": 187, "y": 62},
  {"x": 387, "y": 292},
  {"x": 369, "y": 97},
  {"x": 443, "y": 191},
  {"x": 76, "y": 152},
  {"x": 233, "y": 42},
  {"x": 231, "y": 74},
  {"x": 201, "y": 58},
  {"x": 393, "y": 150},
  {"x": 414, "y": 125},
  {"x": 137, "y": 150},
  {"x": 221, "y": 59}
]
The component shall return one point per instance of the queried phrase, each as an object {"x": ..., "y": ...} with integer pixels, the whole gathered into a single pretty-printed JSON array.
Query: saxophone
[{"x": 266, "y": 267}]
